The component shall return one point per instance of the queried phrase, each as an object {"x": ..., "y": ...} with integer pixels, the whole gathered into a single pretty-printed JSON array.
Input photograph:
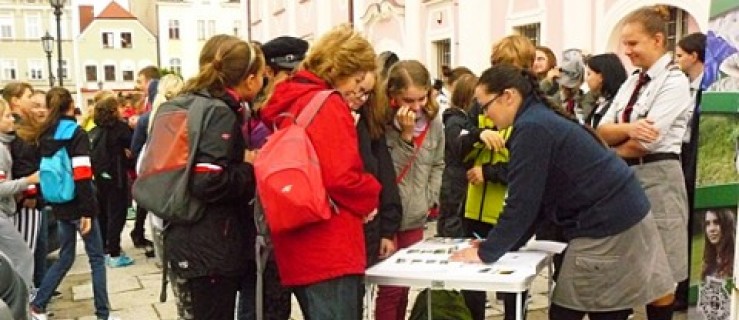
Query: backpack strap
[
  {"x": 65, "y": 130},
  {"x": 309, "y": 112}
]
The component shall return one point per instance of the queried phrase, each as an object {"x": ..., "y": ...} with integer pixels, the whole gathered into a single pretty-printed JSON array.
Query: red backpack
[{"x": 288, "y": 172}]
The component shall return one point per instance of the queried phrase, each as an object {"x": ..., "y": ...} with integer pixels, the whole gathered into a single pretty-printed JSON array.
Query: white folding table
[{"x": 426, "y": 265}]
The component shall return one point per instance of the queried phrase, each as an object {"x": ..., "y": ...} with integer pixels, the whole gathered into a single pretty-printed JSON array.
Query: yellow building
[
  {"x": 22, "y": 56},
  {"x": 112, "y": 48}
]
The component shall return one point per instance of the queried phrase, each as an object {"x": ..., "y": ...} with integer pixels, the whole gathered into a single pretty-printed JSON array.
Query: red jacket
[{"x": 335, "y": 247}]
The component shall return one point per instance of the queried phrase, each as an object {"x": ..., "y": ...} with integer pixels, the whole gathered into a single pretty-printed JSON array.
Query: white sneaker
[
  {"x": 111, "y": 317},
  {"x": 39, "y": 315}
]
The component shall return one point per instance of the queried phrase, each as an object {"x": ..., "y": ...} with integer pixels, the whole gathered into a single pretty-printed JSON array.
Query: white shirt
[
  {"x": 665, "y": 99},
  {"x": 695, "y": 85}
]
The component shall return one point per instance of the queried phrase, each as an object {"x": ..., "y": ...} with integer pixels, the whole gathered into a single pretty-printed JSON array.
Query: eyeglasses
[{"x": 485, "y": 106}]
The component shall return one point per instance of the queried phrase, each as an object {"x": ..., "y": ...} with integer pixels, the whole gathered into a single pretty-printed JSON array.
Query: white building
[
  {"x": 183, "y": 26},
  {"x": 112, "y": 47},
  {"x": 22, "y": 56}
]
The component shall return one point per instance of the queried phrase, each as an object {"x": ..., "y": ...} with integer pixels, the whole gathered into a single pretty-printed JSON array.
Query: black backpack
[{"x": 101, "y": 155}]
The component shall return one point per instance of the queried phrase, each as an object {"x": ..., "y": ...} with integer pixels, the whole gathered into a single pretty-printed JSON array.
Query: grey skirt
[
  {"x": 618, "y": 272},
  {"x": 664, "y": 185}
]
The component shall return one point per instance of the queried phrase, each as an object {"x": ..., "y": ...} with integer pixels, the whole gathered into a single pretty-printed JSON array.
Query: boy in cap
[{"x": 570, "y": 80}]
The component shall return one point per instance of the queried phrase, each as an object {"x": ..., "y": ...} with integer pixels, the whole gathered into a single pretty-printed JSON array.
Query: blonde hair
[
  {"x": 407, "y": 73},
  {"x": 515, "y": 50},
  {"x": 338, "y": 54},
  {"x": 4, "y": 105},
  {"x": 168, "y": 88},
  {"x": 653, "y": 19}
]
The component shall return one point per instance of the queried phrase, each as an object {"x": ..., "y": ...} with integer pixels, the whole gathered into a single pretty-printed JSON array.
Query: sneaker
[
  {"x": 37, "y": 314},
  {"x": 142, "y": 243},
  {"x": 119, "y": 261},
  {"x": 110, "y": 318}
]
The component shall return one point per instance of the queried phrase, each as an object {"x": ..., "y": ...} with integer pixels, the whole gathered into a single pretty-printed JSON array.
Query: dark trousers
[
  {"x": 213, "y": 298},
  {"x": 277, "y": 304},
  {"x": 334, "y": 299},
  {"x": 113, "y": 202},
  {"x": 139, "y": 229},
  {"x": 557, "y": 312},
  {"x": 475, "y": 300}
]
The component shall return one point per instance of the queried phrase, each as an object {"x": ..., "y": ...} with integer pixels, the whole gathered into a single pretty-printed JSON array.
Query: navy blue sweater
[{"x": 559, "y": 172}]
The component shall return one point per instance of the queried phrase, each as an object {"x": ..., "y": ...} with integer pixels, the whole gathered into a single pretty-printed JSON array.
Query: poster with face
[{"x": 714, "y": 215}]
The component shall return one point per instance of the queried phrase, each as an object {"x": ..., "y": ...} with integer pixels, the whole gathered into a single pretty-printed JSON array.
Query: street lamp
[
  {"x": 58, "y": 5},
  {"x": 48, "y": 41}
]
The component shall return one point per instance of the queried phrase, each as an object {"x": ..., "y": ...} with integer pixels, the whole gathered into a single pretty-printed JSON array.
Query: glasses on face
[{"x": 485, "y": 106}]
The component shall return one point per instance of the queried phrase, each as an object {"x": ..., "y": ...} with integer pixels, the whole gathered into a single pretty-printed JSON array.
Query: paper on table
[{"x": 545, "y": 246}]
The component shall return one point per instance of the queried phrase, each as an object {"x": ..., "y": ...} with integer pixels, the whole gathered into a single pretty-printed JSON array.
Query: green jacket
[{"x": 485, "y": 201}]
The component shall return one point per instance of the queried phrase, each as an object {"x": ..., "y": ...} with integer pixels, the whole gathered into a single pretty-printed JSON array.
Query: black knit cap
[{"x": 285, "y": 52}]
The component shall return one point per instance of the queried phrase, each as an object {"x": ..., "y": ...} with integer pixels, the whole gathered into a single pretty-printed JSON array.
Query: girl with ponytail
[
  {"x": 208, "y": 259},
  {"x": 560, "y": 173},
  {"x": 80, "y": 215}
]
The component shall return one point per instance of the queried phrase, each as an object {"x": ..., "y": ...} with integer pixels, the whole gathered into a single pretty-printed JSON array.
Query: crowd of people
[{"x": 575, "y": 150}]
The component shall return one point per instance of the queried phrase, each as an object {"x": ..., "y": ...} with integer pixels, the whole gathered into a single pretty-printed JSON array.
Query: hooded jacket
[
  {"x": 335, "y": 247},
  {"x": 78, "y": 148},
  {"x": 222, "y": 241}
]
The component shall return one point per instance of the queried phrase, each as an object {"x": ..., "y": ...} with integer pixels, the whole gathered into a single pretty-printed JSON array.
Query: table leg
[
  {"x": 428, "y": 304},
  {"x": 519, "y": 307},
  {"x": 368, "y": 294},
  {"x": 550, "y": 283}
]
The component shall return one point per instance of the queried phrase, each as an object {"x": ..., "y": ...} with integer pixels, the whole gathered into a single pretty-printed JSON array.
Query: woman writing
[{"x": 559, "y": 172}]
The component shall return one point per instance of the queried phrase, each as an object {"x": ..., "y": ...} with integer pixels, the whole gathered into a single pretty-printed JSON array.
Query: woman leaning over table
[{"x": 559, "y": 171}]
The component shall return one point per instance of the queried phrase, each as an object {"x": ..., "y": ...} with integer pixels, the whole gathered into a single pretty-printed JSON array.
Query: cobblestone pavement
[{"x": 134, "y": 291}]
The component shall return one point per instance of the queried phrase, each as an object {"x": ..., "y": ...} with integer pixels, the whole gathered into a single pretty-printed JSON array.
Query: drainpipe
[
  {"x": 351, "y": 12},
  {"x": 248, "y": 20}
]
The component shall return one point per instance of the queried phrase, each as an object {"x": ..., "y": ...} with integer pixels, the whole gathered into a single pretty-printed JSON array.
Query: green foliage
[
  {"x": 165, "y": 71},
  {"x": 716, "y": 149}
]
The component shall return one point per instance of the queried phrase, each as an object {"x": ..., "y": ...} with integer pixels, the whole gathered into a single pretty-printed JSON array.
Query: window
[
  {"x": 127, "y": 67},
  {"x": 443, "y": 54},
  {"x": 108, "y": 40},
  {"x": 36, "y": 69},
  {"x": 65, "y": 70},
  {"x": 109, "y": 72},
  {"x": 211, "y": 28},
  {"x": 174, "y": 29},
  {"x": 65, "y": 23},
  {"x": 6, "y": 27},
  {"x": 677, "y": 27},
  {"x": 175, "y": 65},
  {"x": 201, "y": 29},
  {"x": 237, "y": 27},
  {"x": 33, "y": 26},
  {"x": 126, "y": 40},
  {"x": 8, "y": 70},
  {"x": 531, "y": 31},
  {"x": 91, "y": 73}
]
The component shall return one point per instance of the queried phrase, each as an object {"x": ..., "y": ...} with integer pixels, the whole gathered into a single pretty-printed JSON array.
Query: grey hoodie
[
  {"x": 8, "y": 187},
  {"x": 419, "y": 190}
]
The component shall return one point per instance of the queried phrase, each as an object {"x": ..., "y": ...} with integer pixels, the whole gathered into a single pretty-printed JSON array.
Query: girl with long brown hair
[
  {"x": 208, "y": 258},
  {"x": 76, "y": 216}
]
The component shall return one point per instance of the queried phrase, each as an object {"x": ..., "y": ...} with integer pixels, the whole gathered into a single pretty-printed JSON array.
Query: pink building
[{"x": 461, "y": 32}]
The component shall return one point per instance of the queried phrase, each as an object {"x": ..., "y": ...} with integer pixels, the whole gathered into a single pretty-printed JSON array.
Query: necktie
[
  {"x": 571, "y": 106},
  {"x": 643, "y": 79}
]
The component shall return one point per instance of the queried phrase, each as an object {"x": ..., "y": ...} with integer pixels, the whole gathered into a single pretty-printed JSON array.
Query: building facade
[
  {"x": 455, "y": 32},
  {"x": 22, "y": 56},
  {"x": 112, "y": 48},
  {"x": 183, "y": 26}
]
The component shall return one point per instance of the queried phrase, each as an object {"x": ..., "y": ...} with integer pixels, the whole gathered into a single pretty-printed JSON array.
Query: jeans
[
  {"x": 42, "y": 249},
  {"x": 334, "y": 299},
  {"x": 94, "y": 248}
]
